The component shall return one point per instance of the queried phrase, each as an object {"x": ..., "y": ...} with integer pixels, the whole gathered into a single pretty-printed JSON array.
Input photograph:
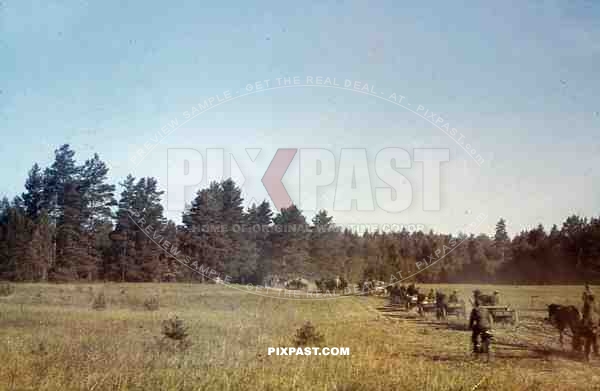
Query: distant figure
[
  {"x": 453, "y": 297},
  {"x": 590, "y": 326},
  {"x": 496, "y": 298},
  {"x": 412, "y": 290},
  {"x": 484, "y": 300},
  {"x": 431, "y": 295},
  {"x": 478, "y": 323},
  {"x": 586, "y": 293},
  {"x": 441, "y": 304}
]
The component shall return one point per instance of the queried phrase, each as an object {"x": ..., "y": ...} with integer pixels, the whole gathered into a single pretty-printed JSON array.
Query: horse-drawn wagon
[
  {"x": 427, "y": 307},
  {"x": 502, "y": 314},
  {"x": 498, "y": 313},
  {"x": 458, "y": 309}
]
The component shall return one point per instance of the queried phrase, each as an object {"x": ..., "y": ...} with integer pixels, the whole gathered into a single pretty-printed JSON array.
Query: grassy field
[{"x": 52, "y": 339}]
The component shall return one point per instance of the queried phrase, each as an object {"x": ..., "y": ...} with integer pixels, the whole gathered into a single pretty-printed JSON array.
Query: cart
[
  {"x": 458, "y": 309},
  {"x": 502, "y": 314}
]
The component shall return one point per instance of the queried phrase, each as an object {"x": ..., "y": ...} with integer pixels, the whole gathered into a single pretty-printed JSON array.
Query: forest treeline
[{"x": 69, "y": 226}]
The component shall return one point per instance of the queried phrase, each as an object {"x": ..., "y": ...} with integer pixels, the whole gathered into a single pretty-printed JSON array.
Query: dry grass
[{"x": 52, "y": 339}]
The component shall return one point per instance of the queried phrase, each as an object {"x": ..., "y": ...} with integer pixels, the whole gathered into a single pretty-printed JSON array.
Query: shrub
[
  {"x": 152, "y": 303},
  {"x": 308, "y": 335},
  {"x": 99, "y": 302},
  {"x": 174, "y": 331},
  {"x": 40, "y": 349},
  {"x": 6, "y": 289},
  {"x": 173, "y": 328}
]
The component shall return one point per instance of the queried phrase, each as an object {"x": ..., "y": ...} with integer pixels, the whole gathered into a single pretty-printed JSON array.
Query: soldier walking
[
  {"x": 586, "y": 293},
  {"x": 453, "y": 297},
  {"x": 496, "y": 298},
  {"x": 478, "y": 323},
  {"x": 590, "y": 325}
]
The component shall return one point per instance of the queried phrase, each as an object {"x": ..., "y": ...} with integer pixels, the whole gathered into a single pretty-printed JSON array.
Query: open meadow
[{"x": 51, "y": 338}]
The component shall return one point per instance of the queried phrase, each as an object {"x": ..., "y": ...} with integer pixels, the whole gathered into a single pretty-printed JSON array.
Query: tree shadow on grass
[
  {"x": 407, "y": 316},
  {"x": 389, "y": 308},
  {"x": 499, "y": 353},
  {"x": 521, "y": 350}
]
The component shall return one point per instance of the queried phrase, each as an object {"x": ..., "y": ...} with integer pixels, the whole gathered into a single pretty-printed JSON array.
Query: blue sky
[{"x": 518, "y": 79}]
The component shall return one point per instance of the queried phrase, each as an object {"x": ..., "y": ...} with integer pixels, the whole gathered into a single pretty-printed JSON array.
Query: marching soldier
[
  {"x": 412, "y": 290},
  {"x": 478, "y": 323},
  {"x": 431, "y": 296},
  {"x": 586, "y": 293},
  {"x": 453, "y": 297},
  {"x": 496, "y": 298},
  {"x": 590, "y": 325}
]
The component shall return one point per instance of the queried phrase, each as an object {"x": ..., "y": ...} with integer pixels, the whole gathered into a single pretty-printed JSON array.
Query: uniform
[
  {"x": 478, "y": 322},
  {"x": 590, "y": 326},
  {"x": 441, "y": 303},
  {"x": 496, "y": 298},
  {"x": 453, "y": 298},
  {"x": 586, "y": 294}
]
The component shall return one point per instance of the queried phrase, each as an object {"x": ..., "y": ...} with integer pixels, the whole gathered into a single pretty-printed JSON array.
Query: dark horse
[{"x": 564, "y": 316}]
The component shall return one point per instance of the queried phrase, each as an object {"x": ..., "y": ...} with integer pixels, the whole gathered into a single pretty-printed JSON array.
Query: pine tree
[
  {"x": 62, "y": 172},
  {"x": 36, "y": 261},
  {"x": 324, "y": 246},
  {"x": 72, "y": 258},
  {"x": 122, "y": 254},
  {"x": 240, "y": 257},
  {"x": 97, "y": 199},
  {"x": 290, "y": 242},
  {"x": 16, "y": 238},
  {"x": 33, "y": 198},
  {"x": 258, "y": 220},
  {"x": 139, "y": 233},
  {"x": 204, "y": 238},
  {"x": 97, "y": 196},
  {"x": 171, "y": 259}
]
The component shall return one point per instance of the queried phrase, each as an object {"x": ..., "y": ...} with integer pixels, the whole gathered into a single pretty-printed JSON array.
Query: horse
[{"x": 564, "y": 317}]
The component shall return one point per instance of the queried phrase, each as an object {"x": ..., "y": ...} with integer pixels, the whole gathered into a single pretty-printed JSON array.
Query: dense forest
[{"x": 68, "y": 226}]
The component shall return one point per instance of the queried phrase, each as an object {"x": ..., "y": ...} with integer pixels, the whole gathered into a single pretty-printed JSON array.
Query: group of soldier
[
  {"x": 588, "y": 333},
  {"x": 479, "y": 319}
]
